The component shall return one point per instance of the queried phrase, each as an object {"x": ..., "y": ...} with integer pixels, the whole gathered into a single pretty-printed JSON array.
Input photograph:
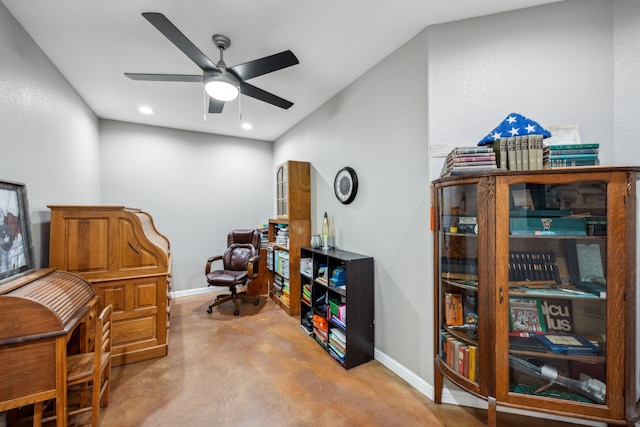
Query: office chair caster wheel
[
  {"x": 236, "y": 312},
  {"x": 209, "y": 310},
  {"x": 256, "y": 302}
]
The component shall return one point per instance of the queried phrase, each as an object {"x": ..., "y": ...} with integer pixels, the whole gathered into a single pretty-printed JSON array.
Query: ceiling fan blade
[
  {"x": 164, "y": 77},
  {"x": 265, "y": 65},
  {"x": 215, "y": 106},
  {"x": 257, "y": 93},
  {"x": 176, "y": 37}
]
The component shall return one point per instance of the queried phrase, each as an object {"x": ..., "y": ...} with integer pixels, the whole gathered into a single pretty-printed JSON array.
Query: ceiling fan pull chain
[
  {"x": 204, "y": 96},
  {"x": 239, "y": 104}
]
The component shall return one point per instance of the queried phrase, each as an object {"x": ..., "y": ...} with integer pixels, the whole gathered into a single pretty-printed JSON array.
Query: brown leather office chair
[{"x": 240, "y": 266}]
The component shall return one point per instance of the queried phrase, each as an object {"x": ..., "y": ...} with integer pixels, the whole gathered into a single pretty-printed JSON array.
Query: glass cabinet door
[
  {"x": 458, "y": 281},
  {"x": 557, "y": 291},
  {"x": 281, "y": 189}
]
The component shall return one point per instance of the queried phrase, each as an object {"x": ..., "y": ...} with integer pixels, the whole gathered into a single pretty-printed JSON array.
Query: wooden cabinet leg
[
  {"x": 491, "y": 412},
  {"x": 437, "y": 397}
]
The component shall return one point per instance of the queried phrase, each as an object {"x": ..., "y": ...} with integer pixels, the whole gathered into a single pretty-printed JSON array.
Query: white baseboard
[{"x": 198, "y": 291}]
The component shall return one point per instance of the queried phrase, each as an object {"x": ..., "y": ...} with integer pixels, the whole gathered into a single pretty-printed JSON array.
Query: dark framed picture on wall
[{"x": 16, "y": 244}]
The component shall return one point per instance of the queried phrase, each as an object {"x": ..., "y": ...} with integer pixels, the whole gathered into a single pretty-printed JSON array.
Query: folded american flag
[{"x": 514, "y": 125}]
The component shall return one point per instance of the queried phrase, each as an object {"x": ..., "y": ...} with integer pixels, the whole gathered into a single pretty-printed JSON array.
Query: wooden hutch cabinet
[
  {"x": 119, "y": 251},
  {"x": 535, "y": 290},
  {"x": 288, "y": 232}
]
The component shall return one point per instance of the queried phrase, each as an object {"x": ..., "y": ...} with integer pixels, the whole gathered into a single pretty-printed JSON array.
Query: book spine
[
  {"x": 580, "y": 151},
  {"x": 559, "y": 156},
  {"x": 524, "y": 146},
  {"x": 474, "y": 167},
  {"x": 500, "y": 148},
  {"x": 472, "y": 150},
  {"x": 462, "y": 351},
  {"x": 540, "y": 152},
  {"x": 533, "y": 162},
  {"x": 573, "y": 146},
  {"x": 511, "y": 153},
  {"x": 483, "y": 156},
  {"x": 473, "y": 363},
  {"x": 518, "y": 144},
  {"x": 473, "y": 163},
  {"x": 565, "y": 163}
]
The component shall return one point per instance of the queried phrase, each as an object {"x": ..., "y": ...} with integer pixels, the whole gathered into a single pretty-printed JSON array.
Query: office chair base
[{"x": 230, "y": 297}]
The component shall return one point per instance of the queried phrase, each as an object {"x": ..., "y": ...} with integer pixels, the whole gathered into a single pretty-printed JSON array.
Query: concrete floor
[{"x": 260, "y": 369}]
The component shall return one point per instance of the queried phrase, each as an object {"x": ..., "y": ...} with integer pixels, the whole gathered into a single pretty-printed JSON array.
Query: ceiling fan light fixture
[{"x": 221, "y": 87}]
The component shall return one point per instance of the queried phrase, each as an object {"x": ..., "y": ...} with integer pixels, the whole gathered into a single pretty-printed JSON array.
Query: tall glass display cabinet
[{"x": 535, "y": 290}]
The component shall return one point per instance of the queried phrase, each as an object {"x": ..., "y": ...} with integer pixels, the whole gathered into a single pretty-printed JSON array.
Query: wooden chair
[{"x": 91, "y": 371}]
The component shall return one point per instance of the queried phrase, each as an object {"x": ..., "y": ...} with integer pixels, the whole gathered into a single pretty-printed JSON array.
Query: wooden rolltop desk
[
  {"x": 128, "y": 262},
  {"x": 40, "y": 312}
]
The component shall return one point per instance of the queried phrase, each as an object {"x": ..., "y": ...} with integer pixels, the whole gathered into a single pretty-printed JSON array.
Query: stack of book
[
  {"x": 306, "y": 293},
  {"x": 264, "y": 235},
  {"x": 571, "y": 155},
  {"x": 337, "y": 345},
  {"x": 468, "y": 160},
  {"x": 519, "y": 152},
  {"x": 282, "y": 236}
]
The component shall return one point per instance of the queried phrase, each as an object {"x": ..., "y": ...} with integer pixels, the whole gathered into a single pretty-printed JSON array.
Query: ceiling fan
[{"x": 218, "y": 76}]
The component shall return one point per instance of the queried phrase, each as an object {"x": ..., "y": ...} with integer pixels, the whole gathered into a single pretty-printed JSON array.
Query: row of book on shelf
[
  {"x": 461, "y": 356},
  {"x": 532, "y": 315},
  {"x": 281, "y": 288},
  {"x": 461, "y": 321},
  {"x": 519, "y": 153},
  {"x": 543, "y": 325}
]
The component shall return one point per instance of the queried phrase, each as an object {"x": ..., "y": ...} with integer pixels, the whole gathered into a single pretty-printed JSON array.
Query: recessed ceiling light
[
  {"x": 145, "y": 110},
  {"x": 247, "y": 126}
]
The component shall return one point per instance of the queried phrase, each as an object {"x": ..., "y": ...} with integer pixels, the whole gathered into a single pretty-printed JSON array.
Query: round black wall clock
[{"x": 346, "y": 185}]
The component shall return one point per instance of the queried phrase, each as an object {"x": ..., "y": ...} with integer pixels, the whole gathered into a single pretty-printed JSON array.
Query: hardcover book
[
  {"x": 557, "y": 314},
  {"x": 453, "y": 309},
  {"x": 526, "y": 315},
  {"x": 569, "y": 344},
  {"x": 500, "y": 148},
  {"x": 531, "y": 226},
  {"x": 526, "y": 342},
  {"x": 573, "y": 146}
]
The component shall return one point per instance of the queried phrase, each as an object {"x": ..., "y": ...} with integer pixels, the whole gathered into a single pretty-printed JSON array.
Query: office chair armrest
[
  {"x": 211, "y": 260},
  {"x": 253, "y": 267}
]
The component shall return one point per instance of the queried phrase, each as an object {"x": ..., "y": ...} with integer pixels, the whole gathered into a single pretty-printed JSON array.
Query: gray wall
[
  {"x": 197, "y": 187},
  {"x": 48, "y": 136},
  {"x": 451, "y": 85}
]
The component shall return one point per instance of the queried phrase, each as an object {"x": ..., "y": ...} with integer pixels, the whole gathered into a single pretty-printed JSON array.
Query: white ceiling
[{"x": 94, "y": 42}]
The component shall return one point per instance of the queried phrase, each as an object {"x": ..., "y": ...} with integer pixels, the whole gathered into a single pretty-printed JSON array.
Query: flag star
[
  {"x": 511, "y": 119},
  {"x": 514, "y": 131},
  {"x": 496, "y": 136},
  {"x": 530, "y": 128}
]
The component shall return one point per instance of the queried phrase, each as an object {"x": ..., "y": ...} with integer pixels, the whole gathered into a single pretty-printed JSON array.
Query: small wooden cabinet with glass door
[
  {"x": 288, "y": 232},
  {"x": 535, "y": 290}
]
